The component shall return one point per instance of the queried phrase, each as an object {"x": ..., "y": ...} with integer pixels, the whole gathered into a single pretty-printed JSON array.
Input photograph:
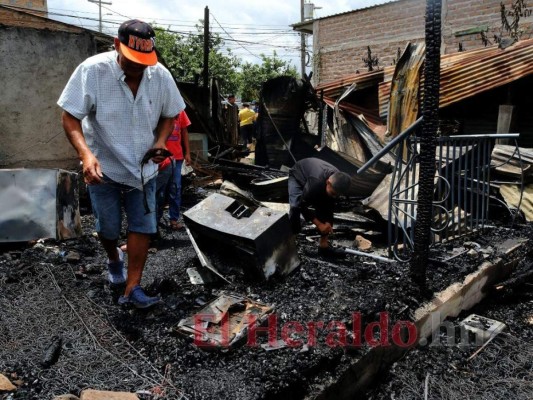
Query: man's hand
[
  {"x": 161, "y": 152},
  {"x": 187, "y": 159},
  {"x": 92, "y": 173}
]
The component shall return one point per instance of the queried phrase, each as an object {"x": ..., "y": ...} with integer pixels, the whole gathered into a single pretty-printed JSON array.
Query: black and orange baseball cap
[{"x": 137, "y": 42}]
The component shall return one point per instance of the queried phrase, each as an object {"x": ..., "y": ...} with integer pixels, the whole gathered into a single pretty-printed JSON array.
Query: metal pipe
[
  {"x": 360, "y": 253},
  {"x": 448, "y": 197},
  {"x": 473, "y": 171},
  {"x": 478, "y": 177},
  {"x": 414, "y": 180},
  {"x": 481, "y": 136},
  {"x": 389, "y": 146},
  {"x": 452, "y": 190},
  {"x": 460, "y": 209}
]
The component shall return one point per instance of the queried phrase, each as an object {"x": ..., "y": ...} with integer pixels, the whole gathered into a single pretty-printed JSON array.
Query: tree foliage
[
  {"x": 253, "y": 76},
  {"x": 183, "y": 55}
]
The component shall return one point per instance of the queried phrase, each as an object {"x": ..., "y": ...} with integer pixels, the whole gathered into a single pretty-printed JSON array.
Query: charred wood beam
[{"x": 428, "y": 143}]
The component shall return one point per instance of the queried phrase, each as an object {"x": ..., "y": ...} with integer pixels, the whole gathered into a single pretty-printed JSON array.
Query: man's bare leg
[
  {"x": 110, "y": 247},
  {"x": 324, "y": 242},
  {"x": 138, "y": 244}
]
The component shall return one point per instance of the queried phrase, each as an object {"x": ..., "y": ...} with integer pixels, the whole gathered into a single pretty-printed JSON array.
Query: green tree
[
  {"x": 183, "y": 54},
  {"x": 252, "y": 76}
]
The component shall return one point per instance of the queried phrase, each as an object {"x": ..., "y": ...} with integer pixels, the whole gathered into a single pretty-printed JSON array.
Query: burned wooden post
[{"x": 428, "y": 141}]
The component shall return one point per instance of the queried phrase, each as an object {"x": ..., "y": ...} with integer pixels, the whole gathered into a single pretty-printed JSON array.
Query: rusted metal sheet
[
  {"x": 362, "y": 80},
  {"x": 255, "y": 240},
  {"x": 404, "y": 93},
  {"x": 469, "y": 73},
  {"x": 515, "y": 197},
  {"x": 369, "y": 116},
  {"x": 224, "y": 321}
]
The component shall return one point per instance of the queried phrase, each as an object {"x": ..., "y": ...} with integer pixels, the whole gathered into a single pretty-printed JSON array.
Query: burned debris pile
[
  {"x": 58, "y": 291},
  {"x": 459, "y": 363}
]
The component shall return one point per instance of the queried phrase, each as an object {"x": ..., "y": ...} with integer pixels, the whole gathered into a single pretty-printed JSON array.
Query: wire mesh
[{"x": 93, "y": 354}]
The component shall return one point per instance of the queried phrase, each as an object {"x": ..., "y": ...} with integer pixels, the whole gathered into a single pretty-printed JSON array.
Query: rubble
[
  {"x": 318, "y": 290},
  {"x": 362, "y": 244},
  {"x": 224, "y": 321}
]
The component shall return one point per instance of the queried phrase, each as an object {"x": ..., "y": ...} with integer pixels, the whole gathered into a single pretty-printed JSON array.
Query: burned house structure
[
  {"x": 369, "y": 72},
  {"x": 308, "y": 328}
]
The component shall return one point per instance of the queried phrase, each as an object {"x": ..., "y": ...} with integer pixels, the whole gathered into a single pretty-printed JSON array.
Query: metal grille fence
[{"x": 463, "y": 189}]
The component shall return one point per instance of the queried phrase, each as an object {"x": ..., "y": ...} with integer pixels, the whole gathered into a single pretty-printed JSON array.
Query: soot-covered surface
[
  {"x": 49, "y": 292},
  {"x": 503, "y": 369}
]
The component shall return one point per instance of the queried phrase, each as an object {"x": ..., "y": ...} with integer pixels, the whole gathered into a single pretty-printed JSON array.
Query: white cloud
[{"x": 265, "y": 24}]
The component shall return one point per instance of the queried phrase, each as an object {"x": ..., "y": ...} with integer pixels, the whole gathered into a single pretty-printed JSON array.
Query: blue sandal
[{"x": 139, "y": 299}]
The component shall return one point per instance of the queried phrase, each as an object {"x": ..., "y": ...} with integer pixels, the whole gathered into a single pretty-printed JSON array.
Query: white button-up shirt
[{"x": 119, "y": 128}]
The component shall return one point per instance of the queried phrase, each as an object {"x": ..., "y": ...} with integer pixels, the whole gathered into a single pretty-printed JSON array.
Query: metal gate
[{"x": 463, "y": 189}]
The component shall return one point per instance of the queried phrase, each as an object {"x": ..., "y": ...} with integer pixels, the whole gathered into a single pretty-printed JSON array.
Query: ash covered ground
[
  {"x": 61, "y": 330},
  {"x": 449, "y": 369}
]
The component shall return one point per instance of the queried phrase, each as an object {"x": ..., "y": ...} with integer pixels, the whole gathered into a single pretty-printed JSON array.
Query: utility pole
[
  {"x": 100, "y": 2},
  {"x": 302, "y": 39},
  {"x": 205, "y": 71}
]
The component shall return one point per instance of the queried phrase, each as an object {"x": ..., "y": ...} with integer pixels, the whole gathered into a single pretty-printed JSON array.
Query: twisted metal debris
[{"x": 93, "y": 353}]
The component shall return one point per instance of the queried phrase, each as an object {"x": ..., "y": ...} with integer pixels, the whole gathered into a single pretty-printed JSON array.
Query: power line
[
  {"x": 229, "y": 25},
  {"x": 232, "y": 37}
]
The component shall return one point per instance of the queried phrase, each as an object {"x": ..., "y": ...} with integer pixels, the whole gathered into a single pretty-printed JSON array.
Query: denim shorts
[{"x": 107, "y": 198}]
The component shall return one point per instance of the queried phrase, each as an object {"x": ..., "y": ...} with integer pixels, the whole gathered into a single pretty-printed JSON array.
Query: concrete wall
[
  {"x": 34, "y": 67},
  {"x": 340, "y": 42},
  {"x": 39, "y": 5}
]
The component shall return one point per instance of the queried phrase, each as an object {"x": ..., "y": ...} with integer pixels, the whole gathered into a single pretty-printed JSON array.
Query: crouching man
[
  {"x": 316, "y": 183},
  {"x": 117, "y": 106}
]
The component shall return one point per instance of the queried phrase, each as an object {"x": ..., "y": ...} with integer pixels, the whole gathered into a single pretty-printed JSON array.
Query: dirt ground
[{"x": 61, "y": 329}]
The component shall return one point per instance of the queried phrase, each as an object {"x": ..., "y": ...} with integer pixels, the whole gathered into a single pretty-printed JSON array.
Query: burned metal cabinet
[
  {"x": 38, "y": 203},
  {"x": 259, "y": 241}
]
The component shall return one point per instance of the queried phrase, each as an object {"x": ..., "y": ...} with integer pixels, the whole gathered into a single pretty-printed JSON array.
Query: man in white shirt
[{"x": 116, "y": 107}]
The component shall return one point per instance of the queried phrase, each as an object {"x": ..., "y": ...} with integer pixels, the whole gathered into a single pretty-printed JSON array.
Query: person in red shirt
[{"x": 169, "y": 177}]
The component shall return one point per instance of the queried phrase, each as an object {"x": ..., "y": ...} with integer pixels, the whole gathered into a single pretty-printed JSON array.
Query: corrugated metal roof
[
  {"x": 356, "y": 10},
  {"x": 373, "y": 121},
  {"x": 363, "y": 80},
  {"x": 467, "y": 74},
  {"x": 465, "y": 78}
]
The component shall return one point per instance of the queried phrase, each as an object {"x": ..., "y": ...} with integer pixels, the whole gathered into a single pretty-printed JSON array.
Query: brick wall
[{"x": 340, "y": 42}]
